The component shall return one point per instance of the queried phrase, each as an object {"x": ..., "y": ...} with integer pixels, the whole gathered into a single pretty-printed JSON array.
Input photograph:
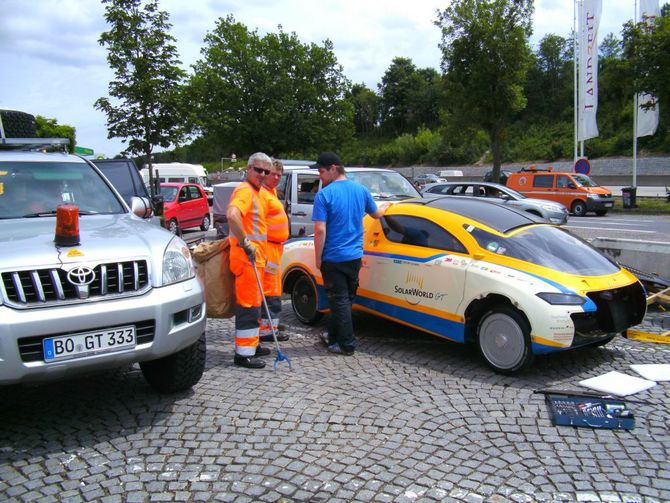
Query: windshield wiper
[{"x": 51, "y": 213}]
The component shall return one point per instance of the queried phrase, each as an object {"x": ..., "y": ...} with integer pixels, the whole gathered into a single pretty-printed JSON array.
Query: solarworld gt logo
[{"x": 413, "y": 291}]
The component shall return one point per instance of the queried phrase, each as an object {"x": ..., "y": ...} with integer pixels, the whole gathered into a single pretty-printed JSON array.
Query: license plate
[
  {"x": 75, "y": 345},
  {"x": 609, "y": 205}
]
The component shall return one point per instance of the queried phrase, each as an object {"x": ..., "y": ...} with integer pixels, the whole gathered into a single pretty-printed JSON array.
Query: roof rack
[
  {"x": 535, "y": 168},
  {"x": 33, "y": 143}
]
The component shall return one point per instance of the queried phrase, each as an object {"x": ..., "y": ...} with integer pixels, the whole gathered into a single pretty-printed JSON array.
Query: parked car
[
  {"x": 185, "y": 206},
  {"x": 575, "y": 191},
  {"x": 179, "y": 172},
  {"x": 299, "y": 185},
  {"x": 488, "y": 176},
  {"x": 428, "y": 178},
  {"x": 86, "y": 282},
  {"x": 551, "y": 211},
  {"x": 473, "y": 271}
]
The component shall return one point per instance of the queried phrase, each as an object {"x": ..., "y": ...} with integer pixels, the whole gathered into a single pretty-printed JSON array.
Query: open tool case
[{"x": 591, "y": 412}]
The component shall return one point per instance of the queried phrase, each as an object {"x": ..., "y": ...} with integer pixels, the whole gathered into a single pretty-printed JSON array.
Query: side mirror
[{"x": 141, "y": 207}]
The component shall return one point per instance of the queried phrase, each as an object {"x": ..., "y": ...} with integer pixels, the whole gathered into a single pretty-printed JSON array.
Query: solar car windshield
[{"x": 548, "y": 247}]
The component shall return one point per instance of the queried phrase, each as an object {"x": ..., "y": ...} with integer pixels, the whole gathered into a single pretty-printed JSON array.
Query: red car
[{"x": 185, "y": 206}]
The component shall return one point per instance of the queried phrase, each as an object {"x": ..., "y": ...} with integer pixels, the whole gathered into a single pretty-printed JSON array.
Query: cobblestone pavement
[{"x": 408, "y": 418}]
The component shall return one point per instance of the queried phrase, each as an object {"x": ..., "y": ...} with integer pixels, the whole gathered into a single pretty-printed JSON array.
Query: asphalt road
[
  {"x": 622, "y": 226},
  {"x": 408, "y": 418}
]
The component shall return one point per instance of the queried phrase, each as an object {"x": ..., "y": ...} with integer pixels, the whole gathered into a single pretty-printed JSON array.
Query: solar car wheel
[
  {"x": 304, "y": 300},
  {"x": 503, "y": 336}
]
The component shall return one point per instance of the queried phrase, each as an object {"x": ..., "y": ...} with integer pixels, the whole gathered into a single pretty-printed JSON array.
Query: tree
[
  {"x": 549, "y": 85},
  {"x": 49, "y": 128},
  {"x": 485, "y": 56},
  {"x": 148, "y": 80},
  {"x": 408, "y": 97},
  {"x": 269, "y": 93},
  {"x": 366, "y": 109}
]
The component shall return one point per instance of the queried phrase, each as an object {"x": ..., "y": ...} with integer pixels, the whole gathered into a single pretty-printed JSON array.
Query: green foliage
[
  {"x": 366, "y": 105},
  {"x": 269, "y": 93},
  {"x": 408, "y": 97},
  {"x": 49, "y": 128},
  {"x": 147, "y": 88}
]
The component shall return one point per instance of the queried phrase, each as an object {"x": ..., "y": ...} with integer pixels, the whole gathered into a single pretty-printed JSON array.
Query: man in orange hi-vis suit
[
  {"x": 248, "y": 234},
  {"x": 277, "y": 226}
]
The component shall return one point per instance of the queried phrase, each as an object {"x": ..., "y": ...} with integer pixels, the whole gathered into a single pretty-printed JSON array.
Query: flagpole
[
  {"x": 635, "y": 105},
  {"x": 574, "y": 58}
]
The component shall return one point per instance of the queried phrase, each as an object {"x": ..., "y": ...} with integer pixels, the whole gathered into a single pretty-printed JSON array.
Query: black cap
[{"x": 327, "y": 159}]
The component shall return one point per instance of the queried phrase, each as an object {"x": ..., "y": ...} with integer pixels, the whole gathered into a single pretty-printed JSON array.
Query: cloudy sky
[{"x": 52, "y": 64}]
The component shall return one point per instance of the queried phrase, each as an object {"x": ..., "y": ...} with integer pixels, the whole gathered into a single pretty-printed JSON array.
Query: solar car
[{"x": 473, "y": 271}]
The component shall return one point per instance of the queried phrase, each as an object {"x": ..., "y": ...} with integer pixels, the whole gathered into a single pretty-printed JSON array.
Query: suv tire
[
  {"x": 177, "y": 372},
  {"x": 17, "y": 124}
]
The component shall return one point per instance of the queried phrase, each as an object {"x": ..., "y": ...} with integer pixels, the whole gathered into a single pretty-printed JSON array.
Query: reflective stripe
[
  {"x": 246, "y": 341},
  {"x": 255, "y": 234}
]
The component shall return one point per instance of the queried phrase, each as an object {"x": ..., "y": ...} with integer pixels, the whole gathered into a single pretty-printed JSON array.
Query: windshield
[
  {"x": 584, "y": 180},
  {"x": 34, "y": 189},
  {"x": 385, "y": 184},
  {"x": 548, "y": 247},
  {"x": 169, "y": 193}
]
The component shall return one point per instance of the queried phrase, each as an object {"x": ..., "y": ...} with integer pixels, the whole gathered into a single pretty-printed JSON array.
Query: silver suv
[{"x": 117, "y": 290}]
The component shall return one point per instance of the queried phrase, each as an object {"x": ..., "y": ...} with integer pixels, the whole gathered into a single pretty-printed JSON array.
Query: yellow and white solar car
[{"x": 472, "y": 271}]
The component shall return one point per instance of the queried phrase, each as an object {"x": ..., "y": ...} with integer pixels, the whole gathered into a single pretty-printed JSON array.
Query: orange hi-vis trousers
[
  {"x": 247, "y": 298},
  {"x": 272, "y": 288}
]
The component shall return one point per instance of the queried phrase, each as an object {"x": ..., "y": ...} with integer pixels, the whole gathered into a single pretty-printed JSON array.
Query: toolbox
[{"x": 590, "y": 412}]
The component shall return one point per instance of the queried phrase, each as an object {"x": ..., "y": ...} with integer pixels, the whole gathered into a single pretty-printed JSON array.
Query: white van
[
  {"x": 179, "y": 172},
  {"x": 448, "y": 173}
]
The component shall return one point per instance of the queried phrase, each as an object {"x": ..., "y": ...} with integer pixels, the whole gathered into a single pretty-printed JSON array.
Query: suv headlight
[
  {"x": 562, "y": 299},
  {"x": 177, "y": 262}
]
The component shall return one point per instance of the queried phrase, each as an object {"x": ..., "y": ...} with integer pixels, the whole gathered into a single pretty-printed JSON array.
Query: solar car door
[{"x": 414, "y": 272}]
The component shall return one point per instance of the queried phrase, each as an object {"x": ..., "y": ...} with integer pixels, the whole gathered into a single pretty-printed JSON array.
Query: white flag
[
  {"x": 647, "y": 118},
  {"x": 589, "y": 20}
]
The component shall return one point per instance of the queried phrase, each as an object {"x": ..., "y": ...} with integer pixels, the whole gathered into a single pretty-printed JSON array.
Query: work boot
[
  {"x": 262, "y": 351},
  {"x": 248, "y": 362},
  {"x": 281, "y": 337}
]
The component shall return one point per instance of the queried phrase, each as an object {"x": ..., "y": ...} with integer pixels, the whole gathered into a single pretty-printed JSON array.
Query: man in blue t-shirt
[{"x": 338, "y": 214}]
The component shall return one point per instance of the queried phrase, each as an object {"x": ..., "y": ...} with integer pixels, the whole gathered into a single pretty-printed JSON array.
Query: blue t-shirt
[{"x": 342, "y": 205}]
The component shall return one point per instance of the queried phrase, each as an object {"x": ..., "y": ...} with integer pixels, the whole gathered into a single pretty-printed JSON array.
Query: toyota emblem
[{"x": 81, "y": 276}]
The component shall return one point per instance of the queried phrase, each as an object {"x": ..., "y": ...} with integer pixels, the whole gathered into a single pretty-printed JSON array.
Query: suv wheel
[{"x": 177, "y": 372}]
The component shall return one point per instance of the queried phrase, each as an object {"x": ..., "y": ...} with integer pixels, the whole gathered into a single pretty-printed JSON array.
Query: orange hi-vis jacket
[
  {"x": 278, "y": 232},
  {"x": 253, "y": 209}
]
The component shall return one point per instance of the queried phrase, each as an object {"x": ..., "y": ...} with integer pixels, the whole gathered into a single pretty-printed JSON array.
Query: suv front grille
[
  {"x": 46, "y": 287},
  {"x": 31, "y": 349}
]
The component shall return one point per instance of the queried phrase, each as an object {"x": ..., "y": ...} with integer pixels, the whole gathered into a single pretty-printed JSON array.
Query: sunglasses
[{"x": 261, "y": 170}]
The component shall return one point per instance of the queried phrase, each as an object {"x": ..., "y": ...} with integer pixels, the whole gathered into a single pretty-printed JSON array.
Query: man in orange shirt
[
  {"x": 278, "y": 232},
  {"x": 248, "y": 235}
]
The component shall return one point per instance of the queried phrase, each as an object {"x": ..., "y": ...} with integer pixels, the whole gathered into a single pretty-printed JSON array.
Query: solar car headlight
[
  {"x": 177, "y": 262},
  {"x": 562, "y": 299}
]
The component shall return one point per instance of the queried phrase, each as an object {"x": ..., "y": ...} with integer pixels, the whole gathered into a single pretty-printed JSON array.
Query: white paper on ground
[
  {"x": 653, "y": 371},
  {"x": 617, "y": 383}
]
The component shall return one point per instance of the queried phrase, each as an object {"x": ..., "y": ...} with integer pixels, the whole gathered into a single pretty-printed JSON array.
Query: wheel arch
[
  {"x": 479, "y": 306},
  {"x": 291, "y": 276}
]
